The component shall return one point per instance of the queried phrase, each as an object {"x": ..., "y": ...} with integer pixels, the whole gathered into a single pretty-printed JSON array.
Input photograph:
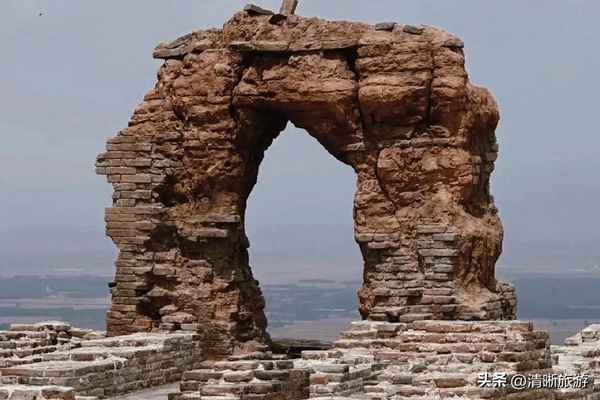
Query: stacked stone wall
[
  {"x": 426, "y": 359},
  {"x": 28, "y": 343},
  {"x": 23, "y": 392},
  {"x": 99, "y": 367},
  {"x": 256, "y": 377}
]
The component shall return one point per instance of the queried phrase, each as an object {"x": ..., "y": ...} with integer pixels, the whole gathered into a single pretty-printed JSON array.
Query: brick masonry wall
[
  {"x": 109, "y": 366},
  {"x": 28, "y": 343},
  {"x": 372, "y": 360},
  {"x": 255, "y": 376},
  {"x": 435, "y": 359},
  {"x": 23, "y": 392},
  {"x": 392, "y": 101}
]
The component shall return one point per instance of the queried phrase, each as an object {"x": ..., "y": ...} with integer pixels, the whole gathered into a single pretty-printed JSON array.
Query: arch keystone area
[{"x": 392, "y": 101}]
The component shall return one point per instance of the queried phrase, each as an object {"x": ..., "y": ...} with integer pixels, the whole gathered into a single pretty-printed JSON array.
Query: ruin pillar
[{"x": 392, "y": 101}]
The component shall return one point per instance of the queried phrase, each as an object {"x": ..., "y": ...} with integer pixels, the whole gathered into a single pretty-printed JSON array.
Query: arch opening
[{"x": 299, "y": 220}]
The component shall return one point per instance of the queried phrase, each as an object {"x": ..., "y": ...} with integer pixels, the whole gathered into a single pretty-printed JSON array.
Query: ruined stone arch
[{"x": 393, "y": 102}]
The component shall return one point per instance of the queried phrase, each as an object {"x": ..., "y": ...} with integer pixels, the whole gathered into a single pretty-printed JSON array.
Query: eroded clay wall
[{"x": 392, "y": 101}]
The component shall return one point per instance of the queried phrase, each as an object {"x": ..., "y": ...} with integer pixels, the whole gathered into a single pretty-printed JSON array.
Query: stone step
[
  {"x": 256, "y": 355},
  {"x": 44, "y": 372},
  {"x": 245, "y": 365},
  {"x": 195, "y": 380},
  {"x": 238, "y": 389},
  {"x": 100, "y": 353},
  {"x": 22, "y": 337},
  {"x": 329, "y": 398},
  {"x": 412, "y": 317},
  {"x": 320, "y": 355},
  {"x": 36, "y": 392},
  {"x": 360, "y": 334},
  {"x": 415, "y": 341},
  {"x": 337, "y": 388},
  {"x": 56, "y": 326},
  {"x": 243, "y": 377},
  {"x": 141, "y": 340},
  {"x": 24, "y": 343},
  {"x": 198, "y": 396},
  {"x": 26, "y": 352},
  {"x": 331, "y": 368}
]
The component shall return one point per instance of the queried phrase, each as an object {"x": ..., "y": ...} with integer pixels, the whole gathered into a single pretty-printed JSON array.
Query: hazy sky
[{"x": 71, "y": 77}]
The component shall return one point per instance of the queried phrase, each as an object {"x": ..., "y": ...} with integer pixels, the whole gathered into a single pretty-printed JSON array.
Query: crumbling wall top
[{"x": 254, "y": 30}]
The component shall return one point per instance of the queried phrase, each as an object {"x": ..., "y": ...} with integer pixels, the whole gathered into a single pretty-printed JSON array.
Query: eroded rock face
[{"x": 395, "y": 104}]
